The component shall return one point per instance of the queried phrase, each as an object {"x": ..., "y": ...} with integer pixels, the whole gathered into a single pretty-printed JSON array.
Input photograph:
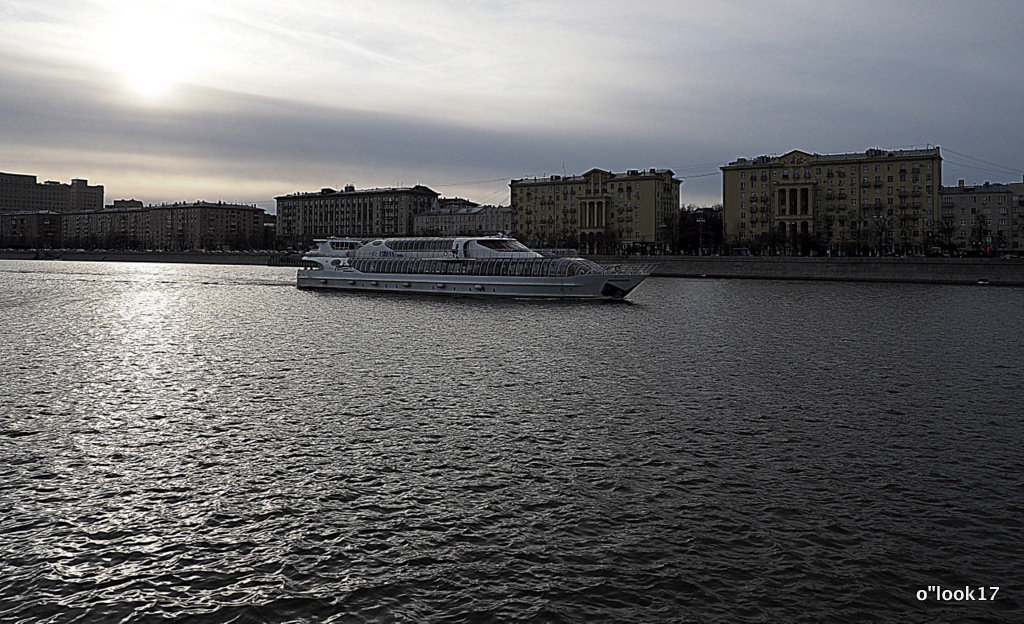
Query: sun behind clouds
[{"x": 151, "y": 49}]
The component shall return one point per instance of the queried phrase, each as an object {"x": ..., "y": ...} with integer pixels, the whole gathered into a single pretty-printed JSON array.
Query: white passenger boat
[{"x": 475, "y": 265}]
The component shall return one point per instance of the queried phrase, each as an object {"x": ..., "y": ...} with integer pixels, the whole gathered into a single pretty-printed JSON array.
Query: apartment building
[
  {"x": 985, "y": 218},
  {"x": 598, "y": 212},
  {"x": 166, "y": 227},
  {"x": 21, "y": 193},
  {"x": 365, "y": 213},
  {"x": 873, "y": 202},
  {"x": 30, "y": 229},
  {"x": 461, "y": 217}
]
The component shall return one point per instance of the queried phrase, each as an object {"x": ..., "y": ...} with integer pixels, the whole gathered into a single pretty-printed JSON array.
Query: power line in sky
[
  {"x": 983, "y": 166},
  {"x": 472, "y": 182},
  {"x": 699, "y": 175}
]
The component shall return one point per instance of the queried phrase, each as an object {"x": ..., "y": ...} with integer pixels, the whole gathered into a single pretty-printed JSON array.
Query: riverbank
[
  {"x": 1002, "y": 272},
  {"x": 264, "y": 258},
  {"x": 1005, "y": 272}
]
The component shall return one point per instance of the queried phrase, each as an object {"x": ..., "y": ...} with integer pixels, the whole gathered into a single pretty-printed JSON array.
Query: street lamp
[{"x": 700, "y": 236}]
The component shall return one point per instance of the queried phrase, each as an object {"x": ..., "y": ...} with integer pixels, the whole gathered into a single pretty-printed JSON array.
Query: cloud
[
  {"x": 451, "y": 93},
  {"x": 230, "y": 136}
]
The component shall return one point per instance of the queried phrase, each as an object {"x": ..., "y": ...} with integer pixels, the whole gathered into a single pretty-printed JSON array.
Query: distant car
[{"x": 1010, "y": 256}]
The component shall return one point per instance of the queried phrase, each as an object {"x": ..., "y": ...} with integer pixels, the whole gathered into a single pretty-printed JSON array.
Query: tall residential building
[
  {"x": 597, "y": 212},
  {"x": 19, "y": 192},
  {"x": 167, "y": 227},
  {"x": 872, "y": 202},
  {"x": 30, "y": 229},
  {"x": 365, "y": 213},
  {"x": 206, "y": 225},
  {"x": 985, "y": 218},
  {"x": 460, "y": 217}
]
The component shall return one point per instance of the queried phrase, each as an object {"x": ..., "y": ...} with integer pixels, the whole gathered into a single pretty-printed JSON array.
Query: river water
[{"x": 211, "y": 444}]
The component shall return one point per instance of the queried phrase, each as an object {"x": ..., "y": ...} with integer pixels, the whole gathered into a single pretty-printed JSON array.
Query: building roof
[
  {"x": 629, "y": 174},
  {"x": 459, "y": 210},
  {"x": 204, "y": 204},
  {"x": 977, "y": 188},
  {"x": 350, "y": 191},
  {"x": 871, "y": 154}
]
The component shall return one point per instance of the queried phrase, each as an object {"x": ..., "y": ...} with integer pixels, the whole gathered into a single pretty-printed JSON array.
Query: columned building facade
[
  {"x": 598, "y": 212},
  {"x": 865, "y": 203}
]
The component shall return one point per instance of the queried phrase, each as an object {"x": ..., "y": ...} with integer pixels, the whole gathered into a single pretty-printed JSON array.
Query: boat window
[
  {"x": 420, "y": 244},
  {"x": 502, "y": 244}
]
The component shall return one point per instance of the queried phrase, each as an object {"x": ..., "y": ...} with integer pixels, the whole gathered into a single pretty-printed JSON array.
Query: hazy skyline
[{"x": 242, "y": 101}]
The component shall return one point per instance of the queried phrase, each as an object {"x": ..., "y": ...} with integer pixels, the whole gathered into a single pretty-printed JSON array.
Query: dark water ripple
[{"x": 210, "y": 444}]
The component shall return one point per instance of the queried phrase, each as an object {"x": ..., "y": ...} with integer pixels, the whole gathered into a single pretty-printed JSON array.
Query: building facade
[
  {"x": 865, "y": 203},
  {"x": 366, "y": 213},
  {"x": 167, "y": 227},
  {"x": 30, "y": 230},
  {"x": 19, "y": 192},
  {"x": 205, "y": 225},
  {"x": 460, "y": 217},
  {"x": 598, "y": 211},
  {"x": 984, "y": 219}
]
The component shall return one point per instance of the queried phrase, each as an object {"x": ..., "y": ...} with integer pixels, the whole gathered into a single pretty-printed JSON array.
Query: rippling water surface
[{"x": 210, "y": 444}]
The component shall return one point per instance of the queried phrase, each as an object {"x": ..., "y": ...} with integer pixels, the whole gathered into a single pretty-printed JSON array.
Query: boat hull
[{"x": 600, "y": 286}]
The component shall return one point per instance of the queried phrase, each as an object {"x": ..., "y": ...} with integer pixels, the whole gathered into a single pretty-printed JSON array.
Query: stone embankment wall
[
  {"x": 271, "y": 259},
  {"x": 1008, "y": 272}
]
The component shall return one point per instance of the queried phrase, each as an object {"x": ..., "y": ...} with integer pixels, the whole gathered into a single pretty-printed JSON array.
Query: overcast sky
[{"x": 244, "y": 100}]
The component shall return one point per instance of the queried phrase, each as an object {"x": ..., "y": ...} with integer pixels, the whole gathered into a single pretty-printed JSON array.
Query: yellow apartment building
[
  {"x": 598, "y": 212},
  {"x": 877, "y": 202}
]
